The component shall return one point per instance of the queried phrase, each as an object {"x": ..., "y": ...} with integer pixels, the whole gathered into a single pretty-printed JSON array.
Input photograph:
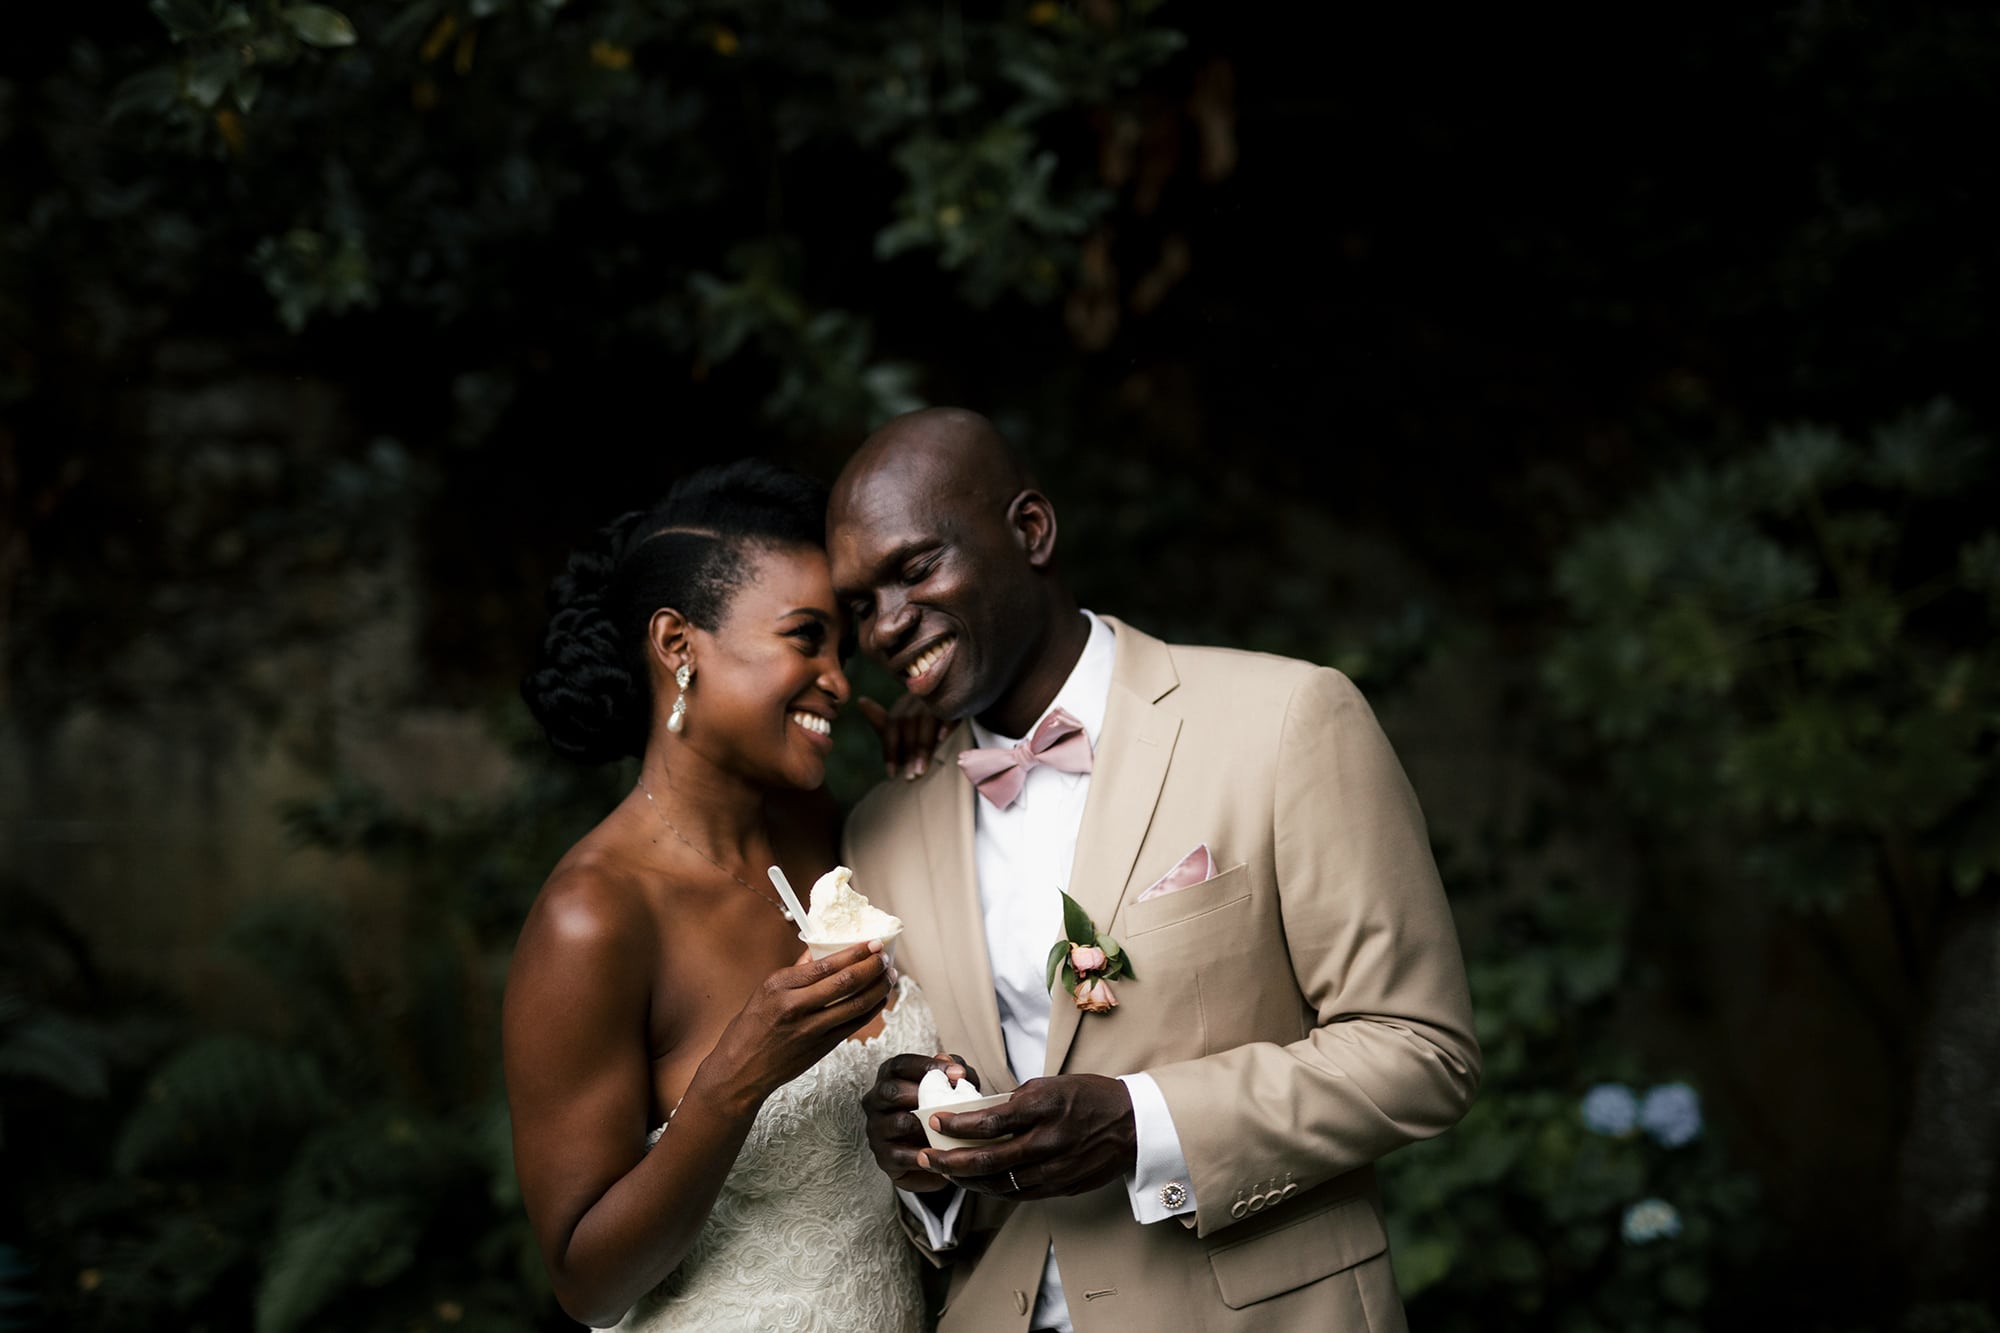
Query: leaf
[
  {"x": 150, "y": 90},
  {"x": 216, "y": 1093},
  {"x": 184, "y": 18},
  {"x": 1116, "y": 963},
  {"x": 319, "y": 25},
  {"x": 1077, "y": 925},
  {"x": 1058, "y": 955},
  {"x": 57, "y": 1050},
  {"x": 364, "y": 1245},
  {"x": 210, "y": 76}
]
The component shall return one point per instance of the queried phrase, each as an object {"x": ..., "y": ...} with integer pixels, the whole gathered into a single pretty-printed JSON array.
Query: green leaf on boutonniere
[
  {"x": 1116, "y": 963},
  {"x": 1058, "y": 962},
  {"x": 1078, "y": 928},
  {"x": 1077, "y": 925}
]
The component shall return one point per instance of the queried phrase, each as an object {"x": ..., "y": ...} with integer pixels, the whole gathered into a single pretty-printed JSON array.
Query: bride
[{"x": 684, "y": 1082}]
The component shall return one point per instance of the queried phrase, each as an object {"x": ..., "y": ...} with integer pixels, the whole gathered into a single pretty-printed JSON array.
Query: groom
[{"x": 1201, "y": 1155}]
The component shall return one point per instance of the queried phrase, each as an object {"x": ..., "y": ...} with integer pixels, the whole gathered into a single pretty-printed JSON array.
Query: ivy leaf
[{"x": 319, "y": 25}]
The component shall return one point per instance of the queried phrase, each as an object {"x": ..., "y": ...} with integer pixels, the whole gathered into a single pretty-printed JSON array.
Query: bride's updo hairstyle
[{"x": 590, "y": 689}]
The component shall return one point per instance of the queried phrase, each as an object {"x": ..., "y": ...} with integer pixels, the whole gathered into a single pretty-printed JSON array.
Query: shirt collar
[{"x": 1085, "y": 695}]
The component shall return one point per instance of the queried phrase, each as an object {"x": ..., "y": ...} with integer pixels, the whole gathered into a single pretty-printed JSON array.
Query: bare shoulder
[{"x": 592, "y": 913}]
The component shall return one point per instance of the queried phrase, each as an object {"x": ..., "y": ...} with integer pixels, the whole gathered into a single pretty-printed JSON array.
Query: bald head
[
  {"x": 957, "y": 451},
  {"x": 943, "y": 553}
]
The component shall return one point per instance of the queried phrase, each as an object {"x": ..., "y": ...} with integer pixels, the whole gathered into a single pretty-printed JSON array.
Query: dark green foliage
[
  {"x": 53, "y": 1048},
  {"x": 248, "y": 1095},
  {"x": 344, "y": 1162},
  {"x": 1796, "y": 652},
  {"x": 1512, "y": 1219},
  {"x": 609, "y": 147}
]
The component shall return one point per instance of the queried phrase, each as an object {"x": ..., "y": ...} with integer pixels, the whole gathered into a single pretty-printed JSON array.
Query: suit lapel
[
  {"x": 1127, "y": 772},
  {"x": 945, "y": 815}
]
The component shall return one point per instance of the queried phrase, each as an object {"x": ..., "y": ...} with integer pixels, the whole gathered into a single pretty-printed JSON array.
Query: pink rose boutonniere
[{"x": 1086, "y": 959}]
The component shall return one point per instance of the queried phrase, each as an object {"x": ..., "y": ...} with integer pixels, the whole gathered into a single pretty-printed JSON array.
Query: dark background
[{"x": 1604, "y": 391}]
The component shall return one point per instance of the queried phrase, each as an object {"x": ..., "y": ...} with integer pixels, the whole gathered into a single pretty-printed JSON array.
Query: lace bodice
[{"x": 804, "y": 1235}]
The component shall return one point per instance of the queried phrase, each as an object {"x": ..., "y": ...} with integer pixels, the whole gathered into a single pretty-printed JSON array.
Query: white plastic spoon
[{"x": 784, "y": 887}]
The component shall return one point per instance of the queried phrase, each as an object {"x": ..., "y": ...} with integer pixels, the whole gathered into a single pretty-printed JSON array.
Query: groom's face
[{"x": 935, "y": 582}]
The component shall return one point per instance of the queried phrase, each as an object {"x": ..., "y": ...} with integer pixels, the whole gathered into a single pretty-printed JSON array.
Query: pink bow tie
[{"x": 999, "y": 772}]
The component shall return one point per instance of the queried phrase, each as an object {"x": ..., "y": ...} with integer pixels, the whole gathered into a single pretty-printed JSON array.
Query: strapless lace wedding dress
[{"x": 804, "y": 1235}]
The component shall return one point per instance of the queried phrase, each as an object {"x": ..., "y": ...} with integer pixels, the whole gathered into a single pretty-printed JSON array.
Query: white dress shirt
[{"x": 1022, "y": 855}]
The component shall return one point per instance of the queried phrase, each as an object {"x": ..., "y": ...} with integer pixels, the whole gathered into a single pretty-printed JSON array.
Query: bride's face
[{"x": 768, "y": 682}]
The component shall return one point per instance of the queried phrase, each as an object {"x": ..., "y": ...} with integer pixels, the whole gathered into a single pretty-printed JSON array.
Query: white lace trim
[{"x": 804, "y": 1236}]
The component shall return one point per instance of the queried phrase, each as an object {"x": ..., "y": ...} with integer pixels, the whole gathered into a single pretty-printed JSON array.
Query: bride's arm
[{"x": 613, "y": 1220}]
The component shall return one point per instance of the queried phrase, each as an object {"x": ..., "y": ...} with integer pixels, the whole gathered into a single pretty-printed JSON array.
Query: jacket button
[
  {"x": 1239, "y": 1208},
  {"x": 1291, "y": 1188},
  {"x": 1020, "y": 1302},
  {"x": 1257, "y": 1202}
]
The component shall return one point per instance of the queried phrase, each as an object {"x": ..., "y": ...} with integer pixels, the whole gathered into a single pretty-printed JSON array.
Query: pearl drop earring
[{"x": 677, "y": 719}]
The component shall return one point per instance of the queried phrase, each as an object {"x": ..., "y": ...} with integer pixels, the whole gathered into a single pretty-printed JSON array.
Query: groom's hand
[
  {"x": 895, "y": 1135},
  {"x": 1072, "y": 1133}
]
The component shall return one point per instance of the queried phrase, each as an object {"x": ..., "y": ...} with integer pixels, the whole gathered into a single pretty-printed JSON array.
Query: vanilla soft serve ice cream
[
  {"x": 936, "y": 1089},
  {"x": 936, "y": 1092},
  {"x": 838, "y": 915}
]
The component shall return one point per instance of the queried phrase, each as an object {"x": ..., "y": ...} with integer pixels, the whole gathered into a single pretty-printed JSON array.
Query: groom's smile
[{"x": 925, "y": 668}]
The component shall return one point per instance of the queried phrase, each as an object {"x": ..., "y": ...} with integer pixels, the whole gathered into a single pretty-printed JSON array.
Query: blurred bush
[
  {"x": 1573, "y": 1196},
  {"x": 1793, "y": 655},
  {"x": 629, "y": 170}
]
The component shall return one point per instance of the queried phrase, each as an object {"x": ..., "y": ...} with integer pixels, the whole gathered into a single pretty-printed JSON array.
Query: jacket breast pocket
[
  {"x": 1215, "y": 894},
  {"x": 1317, "y": 1245}
]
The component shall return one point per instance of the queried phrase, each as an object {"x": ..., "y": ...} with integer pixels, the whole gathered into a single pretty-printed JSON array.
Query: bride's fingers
[
  {"x": 840, "y": 974},
  {"x": 853, "y": 1010}
]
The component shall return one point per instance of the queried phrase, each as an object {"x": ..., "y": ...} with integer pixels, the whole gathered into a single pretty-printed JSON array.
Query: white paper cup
[
  {"x": 822, "y": 948},
  {"x": 940, "y": 1139}
]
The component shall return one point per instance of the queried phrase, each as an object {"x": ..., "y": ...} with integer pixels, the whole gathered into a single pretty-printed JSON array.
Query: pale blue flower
[
  {"x": 1610, "y": 1108},
  {"x": 1671, "y": 1113},
  {"x": 1650, "y": 1220}
]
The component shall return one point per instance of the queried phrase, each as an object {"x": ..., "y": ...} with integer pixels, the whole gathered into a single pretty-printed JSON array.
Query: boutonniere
[{"x": 1086, "y": 959}]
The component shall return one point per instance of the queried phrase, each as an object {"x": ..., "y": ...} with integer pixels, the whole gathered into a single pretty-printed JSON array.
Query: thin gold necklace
[{"x": 660, "y": 810}]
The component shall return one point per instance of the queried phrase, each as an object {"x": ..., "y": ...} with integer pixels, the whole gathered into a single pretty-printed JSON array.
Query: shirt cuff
[
  {"x": 1159, "y": 1185},
  {"x": 939, "y": 1231}
]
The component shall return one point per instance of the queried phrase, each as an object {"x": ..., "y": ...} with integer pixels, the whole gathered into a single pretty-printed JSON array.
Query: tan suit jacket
[{"x": 1303, "y": 1012}]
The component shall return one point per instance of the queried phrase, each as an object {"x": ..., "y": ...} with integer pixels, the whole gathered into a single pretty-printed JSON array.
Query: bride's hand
[
  {"x": 797, "y": 1015},
  {"x": 908, "y": 730}
]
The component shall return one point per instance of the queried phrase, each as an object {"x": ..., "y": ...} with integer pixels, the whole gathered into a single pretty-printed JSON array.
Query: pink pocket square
[{"x": 1195, "y": 867}]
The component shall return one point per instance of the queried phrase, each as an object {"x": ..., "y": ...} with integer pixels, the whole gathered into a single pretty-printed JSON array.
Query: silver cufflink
[{"x": 1173, "y": 1195}]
